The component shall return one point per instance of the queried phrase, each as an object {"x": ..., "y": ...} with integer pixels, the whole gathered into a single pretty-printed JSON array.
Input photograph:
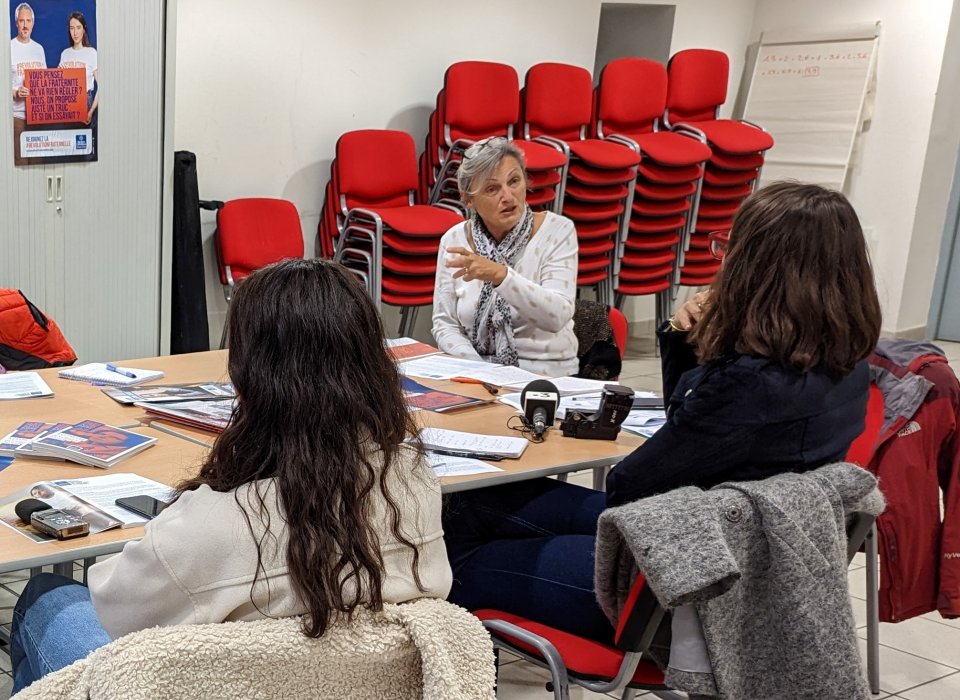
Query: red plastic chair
[
  {"x": 481, "y": 99},
  {"x": 390, "y": 242},
  {"x": 631, "y": 99},
  {"x": 558, "y": 109},
  {"x": 252, "y": 233},
  {"x": 618, "y": 324},
  {"x": 697, "y": 88}
]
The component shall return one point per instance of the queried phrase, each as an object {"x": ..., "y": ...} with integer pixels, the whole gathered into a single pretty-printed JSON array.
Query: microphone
[
  {"x": 50, "y": 521},
  {"x": 539, "y": 399}
]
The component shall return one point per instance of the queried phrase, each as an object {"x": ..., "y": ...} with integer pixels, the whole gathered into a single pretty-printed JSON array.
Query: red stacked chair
[
  {"x": 631, "y": 99},
  {"x": 331, "y": 217},
  {"x": 558, "y": 108},
  {"x": 481, "y": 99},
  {"x": 387, "y": 240},
  {"x": 697, "y": 87}
]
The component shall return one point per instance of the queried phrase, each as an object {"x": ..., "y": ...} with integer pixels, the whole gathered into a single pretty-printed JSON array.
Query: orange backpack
[{"x": 28, "y": 338}]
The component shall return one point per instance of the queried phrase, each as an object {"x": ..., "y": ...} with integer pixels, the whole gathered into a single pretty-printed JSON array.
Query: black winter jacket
[{"x": 738, "y": 419}]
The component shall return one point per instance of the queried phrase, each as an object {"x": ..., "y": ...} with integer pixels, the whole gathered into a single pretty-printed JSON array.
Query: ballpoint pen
[
  {"x": 469, "y": 380},
  {"x": 125, "y": 373},
  {"x": 469, "y": 455}
]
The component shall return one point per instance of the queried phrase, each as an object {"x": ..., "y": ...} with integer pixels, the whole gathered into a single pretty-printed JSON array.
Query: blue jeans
[
  {"x": 527, "y": 548},
  {"x": 54, "y": 624}
]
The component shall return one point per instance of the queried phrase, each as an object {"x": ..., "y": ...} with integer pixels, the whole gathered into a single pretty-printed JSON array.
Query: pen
[
  {"x": 469, "y": 455},
  {"x": 125, "y": 373},
  {"x": 469, "y": 380}
]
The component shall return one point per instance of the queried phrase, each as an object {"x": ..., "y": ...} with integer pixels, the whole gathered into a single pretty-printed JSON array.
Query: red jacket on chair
[{"x": 917, "y": 455}]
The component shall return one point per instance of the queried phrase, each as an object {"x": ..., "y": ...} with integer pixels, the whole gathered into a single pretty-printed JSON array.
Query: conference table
[{"x": 180, "y": 450}]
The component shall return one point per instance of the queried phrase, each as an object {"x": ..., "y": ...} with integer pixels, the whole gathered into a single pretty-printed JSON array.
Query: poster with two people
[{"x": 53, "y": 81}]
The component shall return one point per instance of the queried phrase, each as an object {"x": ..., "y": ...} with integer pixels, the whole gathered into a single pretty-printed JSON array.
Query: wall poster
[{"x": 54, "y": 81}]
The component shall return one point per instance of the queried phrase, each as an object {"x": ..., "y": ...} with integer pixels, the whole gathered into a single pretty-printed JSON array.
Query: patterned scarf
[{"x": 492, "y": 327}]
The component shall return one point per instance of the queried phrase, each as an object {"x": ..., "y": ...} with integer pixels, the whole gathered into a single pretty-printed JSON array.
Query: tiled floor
[{"x": 919, "y": 659}]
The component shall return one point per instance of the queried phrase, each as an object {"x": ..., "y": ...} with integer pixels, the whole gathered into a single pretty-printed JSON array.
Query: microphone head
[
  {"x": 27, "y": 507},
  {"x": 540, "y": 394}
]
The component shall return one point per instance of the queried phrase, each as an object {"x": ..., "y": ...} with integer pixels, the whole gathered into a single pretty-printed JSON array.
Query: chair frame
[{"x": 646, "y": 616}]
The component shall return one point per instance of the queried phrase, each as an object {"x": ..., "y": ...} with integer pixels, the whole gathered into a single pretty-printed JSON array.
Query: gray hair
[
  {"x": 23, "y": 6},
  {"x": 482, "y": 158}
]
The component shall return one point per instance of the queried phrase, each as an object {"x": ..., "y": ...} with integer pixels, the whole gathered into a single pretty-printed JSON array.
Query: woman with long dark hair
[
  {"x": 80, "y": 53},
  {"x": 764, "y": 373},
  {"x": 310, "y": 503}
]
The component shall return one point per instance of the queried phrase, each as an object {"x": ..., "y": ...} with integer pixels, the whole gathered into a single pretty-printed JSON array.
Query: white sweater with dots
[{"x": 540, "y": 291}]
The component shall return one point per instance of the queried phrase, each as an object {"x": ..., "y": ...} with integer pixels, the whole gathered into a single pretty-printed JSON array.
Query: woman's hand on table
[
  {"x": 689, "y": 314},
  {"x": 471, "y": 266}
]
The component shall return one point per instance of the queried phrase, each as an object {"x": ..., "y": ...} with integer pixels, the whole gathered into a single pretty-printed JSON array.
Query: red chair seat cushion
[
  {"x": 604, "y": 154},
  {"x": 594, "y": 176},
  {"x": 419, "y": 220},
  {"x": 667, "y": 148},
  {"x": 597, "y": 211},
  {"x": 655, "y": 242},
  {"x": 582, "y": 657},
  {"x": 670, "y": 175},
  {"x": 725, "y": 178},
  {"x": 644, "y": 224},
  {"x": 727, "y": 161},
  {"x": 641, "y": 288},
  {"x": 660, "y": 192},
  {"x": 539, "y": 156},
  {"x": 733, "y": 136},
  {"x": 712, "y": 192},
  {"x": 597, "y": 229},
  {"x": 610, "y": 193},
  {"x": 660, "y": 208},
  {"x": 585, "y": 279}
]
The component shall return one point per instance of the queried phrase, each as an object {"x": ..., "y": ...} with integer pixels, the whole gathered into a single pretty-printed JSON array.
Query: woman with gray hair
[{"x": 507, "y": 277}]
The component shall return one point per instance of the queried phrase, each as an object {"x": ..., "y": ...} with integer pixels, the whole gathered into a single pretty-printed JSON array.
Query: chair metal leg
[
  {"x": 64, "y": 568},
  {"x": 223, "y": 335},
  {"x": 87, "y": 563},
  {"x": 873, "y": 611},
  {"x": 600, "y": 478}
]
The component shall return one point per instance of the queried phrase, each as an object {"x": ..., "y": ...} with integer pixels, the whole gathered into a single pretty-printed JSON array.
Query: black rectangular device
[{"x": 147, "y": 506}]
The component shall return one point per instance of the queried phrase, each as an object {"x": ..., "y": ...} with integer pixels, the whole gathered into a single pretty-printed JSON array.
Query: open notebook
[{"x": 98, "y": 372}]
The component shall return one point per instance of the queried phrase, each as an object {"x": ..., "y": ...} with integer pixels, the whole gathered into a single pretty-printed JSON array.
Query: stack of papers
[
  {"x": 206, "y": 415},
  {"x": 417, "y": 397},
  {"x": 98, "y": 373},
  {"x": 23, "y": 385},
  {"x": 17, "y": 442},
  {"x": 90, "y": 443},
  {"x": 164, "y": 393}
]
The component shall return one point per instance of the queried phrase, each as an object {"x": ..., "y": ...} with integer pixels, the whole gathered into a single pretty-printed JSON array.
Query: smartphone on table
[{"x": 146, "y": 506}]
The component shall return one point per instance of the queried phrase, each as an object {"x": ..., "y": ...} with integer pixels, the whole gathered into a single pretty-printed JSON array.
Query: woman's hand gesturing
[
  {"x": 471, "y": 266},
  {"x": 689, "y": 314}
]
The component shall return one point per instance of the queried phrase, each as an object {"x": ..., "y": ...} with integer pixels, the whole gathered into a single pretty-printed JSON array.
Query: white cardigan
[
  {"x": 540, "y": 290},
  {"x": 197, "y": 559}
]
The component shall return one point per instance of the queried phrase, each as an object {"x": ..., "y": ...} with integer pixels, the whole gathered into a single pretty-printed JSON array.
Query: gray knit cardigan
[{"x": 765, "y": 564}]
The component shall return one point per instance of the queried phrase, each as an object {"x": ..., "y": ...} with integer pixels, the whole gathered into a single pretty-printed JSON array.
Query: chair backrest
[
  {"x": 376, "y": 167},
  {"x": 255, "y": 232},
  {"x": 632, "y": 96},
  {"x": 618, "y": 324},
  {"x": 480, "y": 99},
  {"x": 426, "y": 649},
  {"x": 558, "y": 101},
  {"x": 696, "y": 84}
]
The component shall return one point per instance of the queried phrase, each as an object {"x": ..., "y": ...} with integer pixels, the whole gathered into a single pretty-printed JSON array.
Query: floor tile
[
  {"x": 6, "y": 683},
  {"x": 859, "y": 612},
  {"x": 859, "y": 559},
  {"x": 924, "y": 638},
  {"x": 948, "y": 687},
  {"x": 857, "y": 579},
  {"x": 899, "y": 670},
  {"x": 5, "y": 666},
  {"x": 935, "y": 617}
]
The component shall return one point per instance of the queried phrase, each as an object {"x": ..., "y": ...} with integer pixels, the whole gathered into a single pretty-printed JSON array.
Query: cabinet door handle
[
  {"x": 49, "y": 188},
  {"x": 59, "y": 188}
]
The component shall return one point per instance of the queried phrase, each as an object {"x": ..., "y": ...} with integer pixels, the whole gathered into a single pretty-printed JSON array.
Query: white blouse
[{"x": 540, "y": 290}]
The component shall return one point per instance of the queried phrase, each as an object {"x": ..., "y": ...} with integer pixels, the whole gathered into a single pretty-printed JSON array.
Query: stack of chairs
[
  {"x": 697, "y": 86},
  {"x": 558, "y": 109},
  {"x": 386, "y": 239},
  {"x": 481, "y": 99},
  {"x": 630, "y": 101}
]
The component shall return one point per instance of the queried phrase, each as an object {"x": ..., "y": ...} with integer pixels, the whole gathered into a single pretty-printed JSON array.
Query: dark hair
[
  {"x": 318, "y": 397},
  {"x": 85, "y": 40},
  {"x": 795, "y": 285}
]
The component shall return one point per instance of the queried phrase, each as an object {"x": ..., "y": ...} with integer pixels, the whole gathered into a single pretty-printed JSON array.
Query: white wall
[
  {"x": 886, "y": 186},
  {"x": 263, "y": 91}
]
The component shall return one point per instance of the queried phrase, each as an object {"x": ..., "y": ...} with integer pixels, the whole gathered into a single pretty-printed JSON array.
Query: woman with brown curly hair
[
  {"x": 764, "y": 373},
  {"x": 310, "y": 503}
]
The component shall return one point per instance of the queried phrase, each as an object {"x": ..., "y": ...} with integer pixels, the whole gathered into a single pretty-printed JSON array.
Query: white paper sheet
[
  {"x": 441, "y": 439},
  {"x": 23, "y": 385},
  {"x": 442, "y": 367},
  {"x": 458, "y": 466}
]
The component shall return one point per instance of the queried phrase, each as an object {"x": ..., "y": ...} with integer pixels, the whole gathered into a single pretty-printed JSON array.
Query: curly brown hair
[
  {"x": 318, "y": 397},
  {"x": 796, "y": 283}
]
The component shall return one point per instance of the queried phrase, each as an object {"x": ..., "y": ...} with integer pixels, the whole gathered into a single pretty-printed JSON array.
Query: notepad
[
  {"x": 441, "y": 439},
  {"x": 98, "y": 372}
]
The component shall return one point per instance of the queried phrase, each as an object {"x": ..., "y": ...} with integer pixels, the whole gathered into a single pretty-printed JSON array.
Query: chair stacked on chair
[
  {"x": 697, "y": 88},
  {"x": 631, "y": 98},
  {"x": 386, "y": 239},
  {"x": 481, "y": 99},
  {"x": 558, "y": 108}
]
